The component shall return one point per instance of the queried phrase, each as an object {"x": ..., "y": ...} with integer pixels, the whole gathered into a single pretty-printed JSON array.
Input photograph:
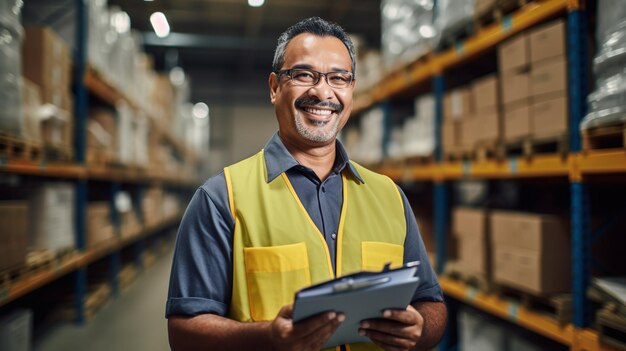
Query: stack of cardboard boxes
[
  {"x": 14, "y": 236},
  {"x": 46, "y": 62},
  {"x": 457, "y": 105},
  {"x": 470, "y": 231},
  {"x": 530, "y": 252},
  {"x": 533, "y": 72},
  {"x": 484, "y": 127},
  {"x": 472, "y": 116},
  {"x": 525, "y": 251},
  {"x": 99, "y": 226}
]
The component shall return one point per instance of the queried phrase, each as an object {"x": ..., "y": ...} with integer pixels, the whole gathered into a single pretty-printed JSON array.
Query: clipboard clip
[{"x": 352, "y": 284}]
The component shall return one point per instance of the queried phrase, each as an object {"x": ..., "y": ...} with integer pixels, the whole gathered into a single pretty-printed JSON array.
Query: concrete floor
[{"x": 134, "y": 321}]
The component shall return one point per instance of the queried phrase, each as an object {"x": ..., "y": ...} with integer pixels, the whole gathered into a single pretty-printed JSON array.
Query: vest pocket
[
  {"x": 273, "y": 275},
  {"x": 374, "y": 255}
]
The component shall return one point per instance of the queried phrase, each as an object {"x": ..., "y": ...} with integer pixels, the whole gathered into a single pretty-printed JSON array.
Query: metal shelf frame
[
  {"x": 574, "y": 167},
  {"x": 84, "y": 82}
]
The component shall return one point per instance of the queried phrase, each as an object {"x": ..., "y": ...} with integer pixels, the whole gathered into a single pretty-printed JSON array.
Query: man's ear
[{"x": 273, "y": 83}]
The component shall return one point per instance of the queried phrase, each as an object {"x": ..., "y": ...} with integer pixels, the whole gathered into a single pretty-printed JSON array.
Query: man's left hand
[{"x": 399, "y": 330}]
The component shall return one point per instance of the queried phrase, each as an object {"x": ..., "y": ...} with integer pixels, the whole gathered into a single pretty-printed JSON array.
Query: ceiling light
[
  {"x": 160, "y": 25},
  {"x": 200, "y": 110},
  {"x": 256, "y": 3}
]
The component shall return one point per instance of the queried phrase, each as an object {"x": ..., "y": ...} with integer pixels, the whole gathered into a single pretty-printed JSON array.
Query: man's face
[{"x": 312, "y": 115}]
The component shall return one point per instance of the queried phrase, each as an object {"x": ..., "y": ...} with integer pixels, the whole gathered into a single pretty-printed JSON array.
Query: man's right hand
[{"x": 309, "y": 334}]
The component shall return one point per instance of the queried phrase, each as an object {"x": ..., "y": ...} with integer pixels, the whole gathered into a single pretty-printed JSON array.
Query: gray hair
[{"x": 313, "y": 25}]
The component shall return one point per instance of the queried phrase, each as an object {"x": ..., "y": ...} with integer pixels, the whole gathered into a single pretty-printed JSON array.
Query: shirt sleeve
[
  {"x": 414, "y": 250},
  {"x": 201, "y": 275}
]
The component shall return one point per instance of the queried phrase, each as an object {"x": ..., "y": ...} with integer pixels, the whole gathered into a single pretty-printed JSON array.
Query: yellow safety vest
[{"x": 278, "y": 249}]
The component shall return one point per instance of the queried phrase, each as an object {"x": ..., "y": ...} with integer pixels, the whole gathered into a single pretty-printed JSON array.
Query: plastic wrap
[
  {"x": 607, "y": 103},
  {"x": 451, "y": 16},
  {"x": 407, "y": 30},
  {"x": 11, "y": 34}
]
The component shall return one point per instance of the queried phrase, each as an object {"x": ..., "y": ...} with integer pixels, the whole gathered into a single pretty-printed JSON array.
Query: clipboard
[{"x": 358, "y": 296}]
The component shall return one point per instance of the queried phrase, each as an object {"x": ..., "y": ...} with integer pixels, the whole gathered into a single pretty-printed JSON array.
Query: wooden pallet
[
  {"x": 58, "y": 154},
  {"x": 97, "y": 295},
  {"x": 486, "y": 150},
  {"x": 604, "y": 137},
  {"x": 35, "y": 262},
  {"x": 12, "y": 147},
  {"x": 535, "y": 145},
  {"x": 480, "y": 281},
  {"x": 612, "y": 328},
  {"x": 558, "y": 307},
  {"x": 420, "y": 160},
  {"x": 101, "y": 158}
]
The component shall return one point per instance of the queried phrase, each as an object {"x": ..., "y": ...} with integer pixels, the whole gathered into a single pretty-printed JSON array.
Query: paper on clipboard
[{"x": 358, "y": 296}]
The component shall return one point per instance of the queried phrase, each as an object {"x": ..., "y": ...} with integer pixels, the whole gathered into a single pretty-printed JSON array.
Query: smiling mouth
[{"x": 318, "y": 111}]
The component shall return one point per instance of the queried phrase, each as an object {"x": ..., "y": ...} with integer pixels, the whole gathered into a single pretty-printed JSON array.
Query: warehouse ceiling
[{"x": 228, "y": 45}]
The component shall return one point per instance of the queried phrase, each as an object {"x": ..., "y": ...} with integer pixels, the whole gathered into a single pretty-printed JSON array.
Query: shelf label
[
  {"x": 513, "y": 165},
  {"x": 507, "y": 23},
  {"x": 512, "y": 311},
  {"x": 459, "y": 47},
  {"x": 471, "y": 293},
  {"x": 467, "y": 167}
]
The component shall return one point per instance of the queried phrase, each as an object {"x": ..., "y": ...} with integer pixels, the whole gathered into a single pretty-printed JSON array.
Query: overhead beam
[{"x": 186, "y": 40}]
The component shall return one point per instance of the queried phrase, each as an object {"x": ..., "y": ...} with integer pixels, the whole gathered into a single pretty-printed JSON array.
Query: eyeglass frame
[{"x": 288, "y": 72}]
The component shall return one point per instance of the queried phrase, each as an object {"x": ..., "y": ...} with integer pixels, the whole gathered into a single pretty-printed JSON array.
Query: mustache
[{"x": 308, "y": 102}]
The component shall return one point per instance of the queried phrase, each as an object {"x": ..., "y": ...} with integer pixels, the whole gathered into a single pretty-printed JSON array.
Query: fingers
[
  {"x": 323, "y": 323},
  {"x": 398, "y": 329},
  {"x": 308, "y": 334}
]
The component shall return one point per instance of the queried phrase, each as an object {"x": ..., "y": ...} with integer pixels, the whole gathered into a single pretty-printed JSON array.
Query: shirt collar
[{"x": 279, "y": 160}]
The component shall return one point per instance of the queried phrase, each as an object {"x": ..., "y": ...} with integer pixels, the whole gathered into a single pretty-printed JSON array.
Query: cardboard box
[
  {"x": 31, "y": 102},
  {"x": 515, "y": 86},
  {"x": 52, "y": 216},
  {"x": 16, "y": 330},
  {"x": 457, "y": 104},
  {"x": 485, "y": 93},
  {"x": 550, "y": 117},
  {"x": 99, "y": 226},
  {"x": 514, "y": 54},
  {"x": 549, "y": 77},
  {"x": 450, "y": 135},
  {"x": 482, "y": 6},
  {"x": 530, "y": 252},
  {"x": 469, "y": 227},
  {"x": 547, "y": 41},
  {"x": 46, "y": 62},
  {"x": 14, "y": 237},
  {"x": 488, "y": 126},
  {"x": 517, "y": 121},
  {"x": 469, "y": 132},
  {"x": 469, "y": 223}
]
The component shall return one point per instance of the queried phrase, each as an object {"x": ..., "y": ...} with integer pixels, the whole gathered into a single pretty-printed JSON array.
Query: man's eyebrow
[{"x": 306, "y": 66}]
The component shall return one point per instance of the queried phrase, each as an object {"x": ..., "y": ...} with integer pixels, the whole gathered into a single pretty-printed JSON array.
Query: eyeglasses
[{"x": 308, "y": 77}]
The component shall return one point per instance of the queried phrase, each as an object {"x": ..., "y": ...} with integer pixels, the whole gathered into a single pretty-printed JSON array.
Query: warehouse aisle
[{"x": 134, "y": 321}]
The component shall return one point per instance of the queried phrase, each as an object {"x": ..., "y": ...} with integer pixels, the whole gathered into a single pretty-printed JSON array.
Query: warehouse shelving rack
[
  {"x": 87, "y": 81},
  {"x": 574, "y": 167}
]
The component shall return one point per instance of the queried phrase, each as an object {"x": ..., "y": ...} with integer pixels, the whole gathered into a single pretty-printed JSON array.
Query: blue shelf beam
[{"x": 441, "y": 223}]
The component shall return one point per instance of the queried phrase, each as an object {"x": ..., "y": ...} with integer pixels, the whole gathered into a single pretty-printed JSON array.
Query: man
[{"x": 297, "y": 213}]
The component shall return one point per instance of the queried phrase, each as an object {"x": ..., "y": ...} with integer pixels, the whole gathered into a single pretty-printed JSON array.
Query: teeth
[{"x": 318, "y": 111}]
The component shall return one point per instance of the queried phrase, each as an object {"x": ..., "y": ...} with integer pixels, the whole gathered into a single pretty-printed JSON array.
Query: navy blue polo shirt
[{"x": 201, "y": 277}]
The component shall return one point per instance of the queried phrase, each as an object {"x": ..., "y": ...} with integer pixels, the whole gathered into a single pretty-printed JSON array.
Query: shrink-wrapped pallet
[{"x": 607, "y": 103}]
